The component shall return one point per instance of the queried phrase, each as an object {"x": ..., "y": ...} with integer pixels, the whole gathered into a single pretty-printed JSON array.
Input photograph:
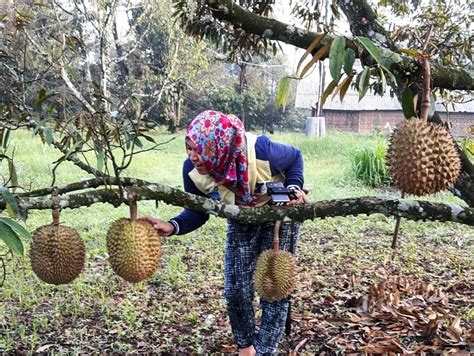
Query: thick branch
[
  {"x": 412, "y": 210},
  {"x": 443, "y": 77}
]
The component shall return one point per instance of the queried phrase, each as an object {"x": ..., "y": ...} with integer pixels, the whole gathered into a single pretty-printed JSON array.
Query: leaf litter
[{"x": 351, "y": 298}]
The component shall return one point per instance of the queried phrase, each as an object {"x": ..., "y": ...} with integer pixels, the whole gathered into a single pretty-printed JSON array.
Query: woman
[{"x": 227, "y": 164}]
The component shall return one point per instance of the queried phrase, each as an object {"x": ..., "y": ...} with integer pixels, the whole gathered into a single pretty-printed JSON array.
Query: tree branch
[
  {"x": 411, "y": 210},
  {"x": 404, "y": 67}
]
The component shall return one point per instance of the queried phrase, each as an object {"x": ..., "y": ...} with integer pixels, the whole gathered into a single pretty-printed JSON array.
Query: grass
[{"x": 181, "y": 308}]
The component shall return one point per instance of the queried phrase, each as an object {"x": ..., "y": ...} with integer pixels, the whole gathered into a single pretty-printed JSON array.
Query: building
[{"x": 373, "y": 113}]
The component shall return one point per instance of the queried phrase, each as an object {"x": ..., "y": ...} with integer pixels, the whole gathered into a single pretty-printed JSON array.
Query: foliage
[
  {"x": 369, "y": 166},
  {"x": 91, "y": 85}
]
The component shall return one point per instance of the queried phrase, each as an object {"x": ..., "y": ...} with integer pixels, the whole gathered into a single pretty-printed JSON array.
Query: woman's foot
[{"x": 248, "y": 351}]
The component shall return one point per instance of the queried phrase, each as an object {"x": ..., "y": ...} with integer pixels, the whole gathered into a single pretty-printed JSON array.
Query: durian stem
[
  {"x": 395, "y": 233},
  {"x": 426, "y": 101},
  {"x": 132, "y": 196},
  {"x": 425, "y": 64},
  {"x": 397, "y": 229},
  {"x": 55, "y": 206},
  {"x": 276, "y": 236}
]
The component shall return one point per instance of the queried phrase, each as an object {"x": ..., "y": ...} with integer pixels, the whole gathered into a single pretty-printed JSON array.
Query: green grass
[{"x": 181, "y": 308}]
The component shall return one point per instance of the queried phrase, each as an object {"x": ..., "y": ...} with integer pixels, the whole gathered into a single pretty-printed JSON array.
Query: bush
[{"x": 369, "y": 167}]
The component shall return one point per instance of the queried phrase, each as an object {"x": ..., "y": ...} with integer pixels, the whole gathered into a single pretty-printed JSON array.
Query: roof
[{"x": 307, "y": 94}]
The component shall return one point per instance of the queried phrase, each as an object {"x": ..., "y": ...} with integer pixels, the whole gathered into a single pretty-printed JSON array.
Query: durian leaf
[
  {"x": 322, "y": 51},
  {"x": 411, "y": 52},
  {"x": 283, "y": 92},
  {"x": 100, "y": 161},
  {"x": 345, "y": 86},
  {"x": 6, "y": 138},
  {"x": 19, "y": 229},
  {"x": 390, "y": 74},
  {"x": 12, "y": 172},
  {"x": 370, "y": 47},
  {"x": 407, "y": 103},
  {"x": 9, "y": 199},
  {"x": 48, "y": 135},
  {"x": 336, "y": 57},
  {"x": 11, "y": 239},
  {"x": 329, "y": 89},
  {"x": 364, "y": 82},
  {"x": 349, "y": 58},
  {"x": 316, "y": 41}
]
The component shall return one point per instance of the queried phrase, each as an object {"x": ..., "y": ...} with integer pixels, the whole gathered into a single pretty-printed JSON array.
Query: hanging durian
[
  {"x": 422, "y": 158},
  {"x": 275, "y": 272},
  {"x": 57, "y": 253},
  {"x": 134, "y": 247}
]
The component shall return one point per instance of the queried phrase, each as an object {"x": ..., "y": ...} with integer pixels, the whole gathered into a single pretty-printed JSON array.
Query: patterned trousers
[{"x": 243, "y": 246}]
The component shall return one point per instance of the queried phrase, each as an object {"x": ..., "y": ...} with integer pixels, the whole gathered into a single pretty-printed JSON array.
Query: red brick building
[
  {"x": 368, "y": 121},
  {"x": 372, "y": 113}
]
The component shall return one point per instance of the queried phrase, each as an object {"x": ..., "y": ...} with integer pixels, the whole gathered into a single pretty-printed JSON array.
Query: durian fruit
[
  {"x": 275, "y": 273},
  {"x": 422, "y": 158},
  {"x": 134, "y": 248},
  {"x": 57, "y": 253}
]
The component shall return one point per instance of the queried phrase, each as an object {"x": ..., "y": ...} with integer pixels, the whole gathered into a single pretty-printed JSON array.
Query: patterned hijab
[{"x": 220, "y": 140}]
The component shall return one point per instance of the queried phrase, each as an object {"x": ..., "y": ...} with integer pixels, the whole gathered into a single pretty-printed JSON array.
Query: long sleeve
[
  {"x": 284, "y": 159},
  {"x": 189, "y": 220}
]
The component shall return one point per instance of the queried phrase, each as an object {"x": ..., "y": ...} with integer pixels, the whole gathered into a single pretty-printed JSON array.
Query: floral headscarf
[{"x": 220, "y": 140}]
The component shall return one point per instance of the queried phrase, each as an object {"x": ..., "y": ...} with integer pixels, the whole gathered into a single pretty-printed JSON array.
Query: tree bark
[{"x": 411, "y": 210}]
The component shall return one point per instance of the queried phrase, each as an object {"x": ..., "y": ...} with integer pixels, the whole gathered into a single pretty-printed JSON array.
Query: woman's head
[{"x": 215, "y": 143}]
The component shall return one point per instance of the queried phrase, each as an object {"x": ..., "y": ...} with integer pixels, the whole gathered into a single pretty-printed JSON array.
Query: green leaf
[
  {"x": 11, "y": 239},
  {"x": 42, "y": 96},
  {"x": 12, "y": 172},
  {"x": 407, "y": 103},
  {"x": 19, "y": 229},
  {"x": 48, "y": 135},
  {"x": 100, "y": 161},
  {"x": 137, "y": 142},
  {"x": 9, "y": 199},
  {"x": 390, "y": 74},
  {"x": 6, "y": 138},
  {"x": 283, "y": 92},
  {"x": 336, "y": 57},
  {"x": 370, "y": 47},
  {"x": 364, "y": 82},
  {"x": 148, "y": 138},
  {"x": 349, "y": 58}
]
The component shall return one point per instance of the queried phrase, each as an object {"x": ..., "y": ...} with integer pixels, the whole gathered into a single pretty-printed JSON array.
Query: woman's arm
[{"x": 188, "y": 220}]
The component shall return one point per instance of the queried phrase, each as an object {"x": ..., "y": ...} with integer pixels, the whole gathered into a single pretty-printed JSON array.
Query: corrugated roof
[{"x": 307, "y": 94}]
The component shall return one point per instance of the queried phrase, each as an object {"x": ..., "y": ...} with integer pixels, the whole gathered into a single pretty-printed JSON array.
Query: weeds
[{"x": 369, "y": 167}]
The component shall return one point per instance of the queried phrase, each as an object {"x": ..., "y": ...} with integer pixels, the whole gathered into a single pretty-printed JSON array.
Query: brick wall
[{"x": 383, "y": 121}]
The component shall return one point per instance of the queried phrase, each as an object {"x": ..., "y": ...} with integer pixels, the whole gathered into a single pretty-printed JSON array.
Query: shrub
[{"x": 369, "y": 167}]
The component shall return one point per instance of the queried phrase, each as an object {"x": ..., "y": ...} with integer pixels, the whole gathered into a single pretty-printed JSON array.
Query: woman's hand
[
  {"x": 301, "y": 198},
  {"x": 164, "y": 228}
]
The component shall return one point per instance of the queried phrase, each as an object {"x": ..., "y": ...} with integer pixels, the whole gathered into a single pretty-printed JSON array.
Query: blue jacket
[{"x": 281, "y": 160}]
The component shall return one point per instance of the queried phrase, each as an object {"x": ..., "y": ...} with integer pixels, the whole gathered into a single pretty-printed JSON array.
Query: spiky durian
[
  {"x": 422, "y": 158},
  {"x": 275, "y": 275},
  {"x": 57, "y": 254},
  {"x": 134, "y": 249}
]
